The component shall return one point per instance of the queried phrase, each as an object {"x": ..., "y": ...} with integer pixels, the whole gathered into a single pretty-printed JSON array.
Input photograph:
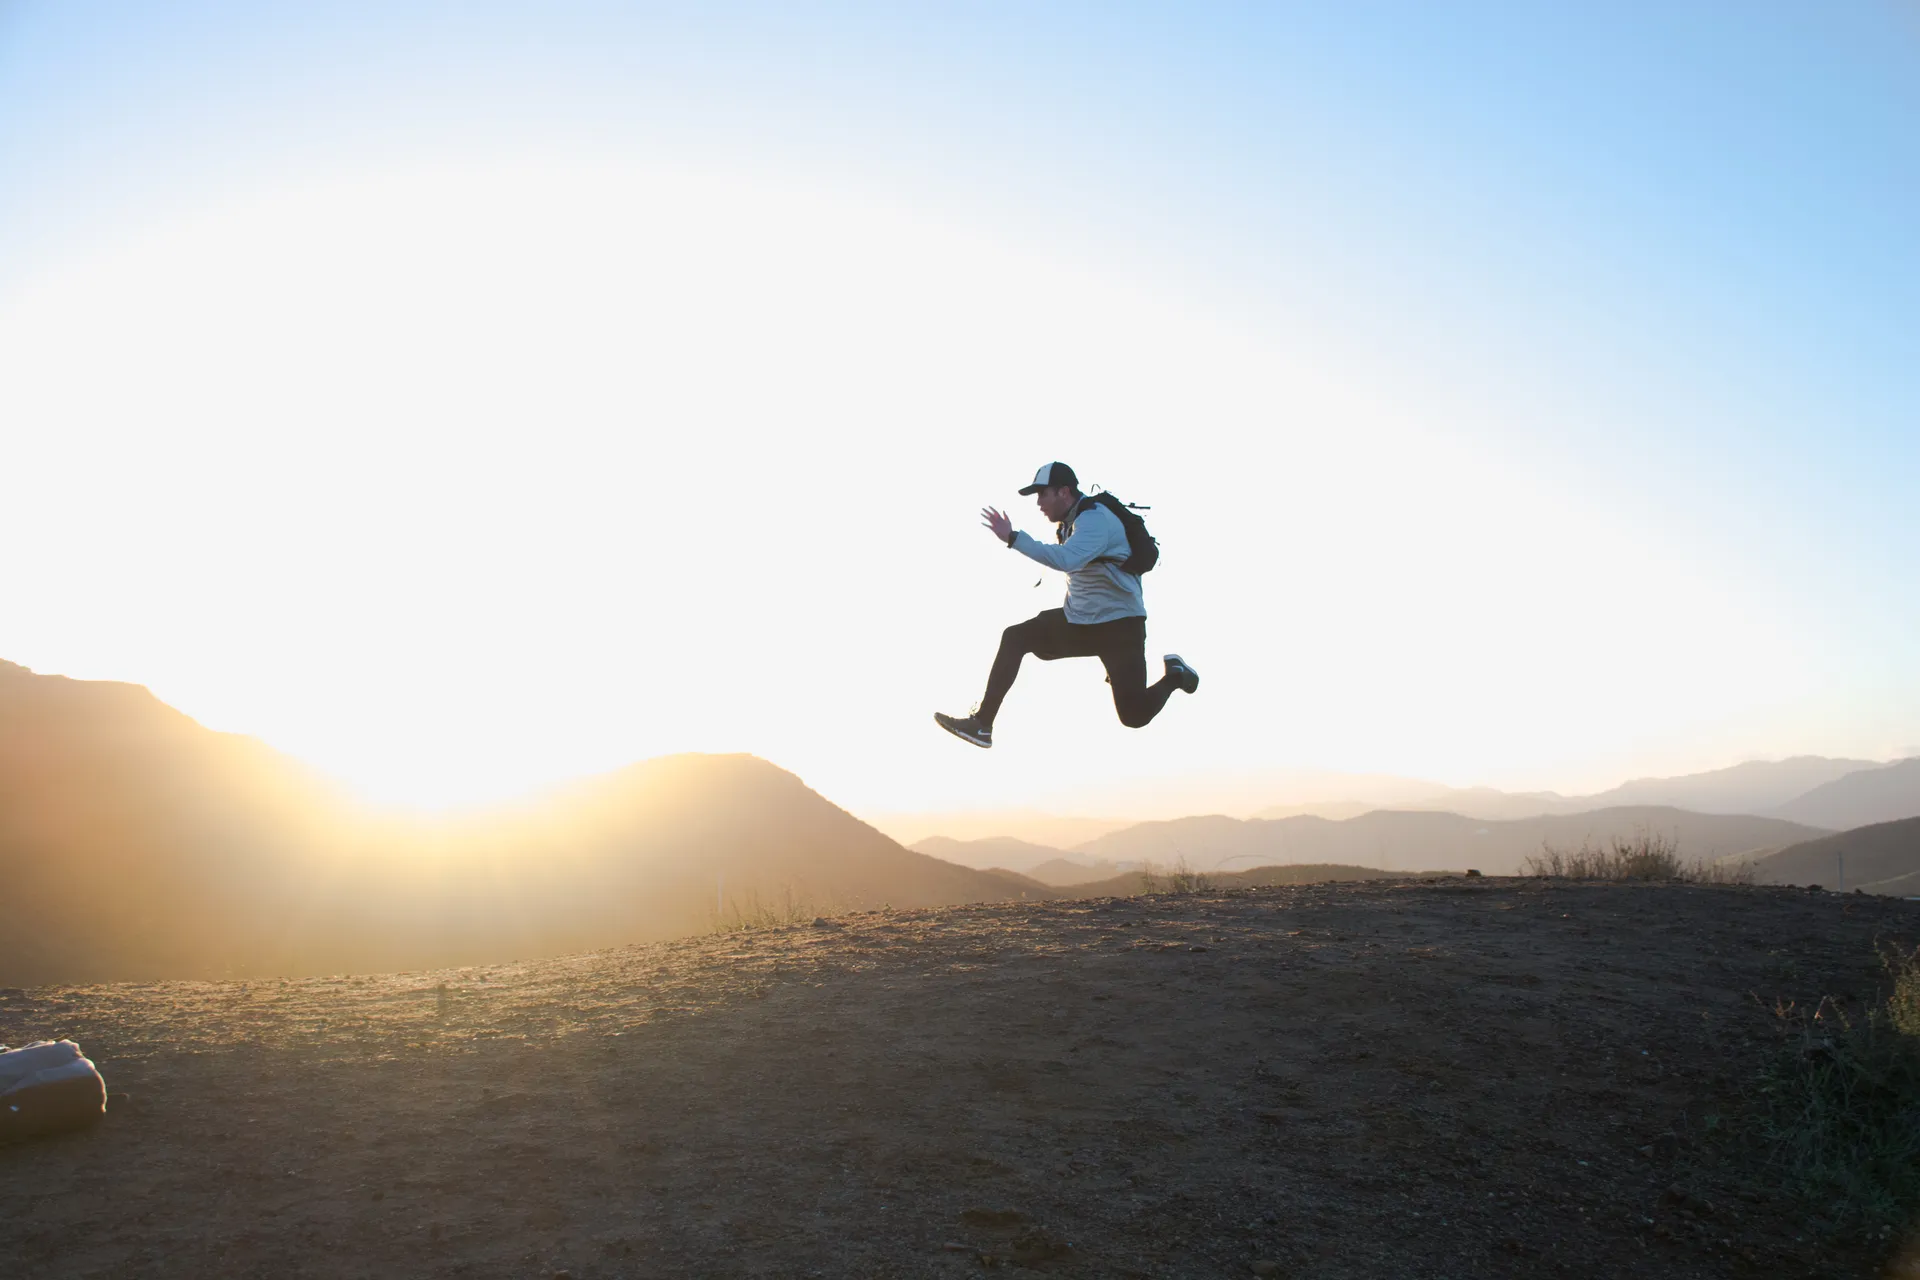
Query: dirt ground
[{"x": 1460, "y": 1078}]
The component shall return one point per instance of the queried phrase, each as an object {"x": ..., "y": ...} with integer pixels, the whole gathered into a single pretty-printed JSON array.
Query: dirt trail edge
[{"x": 1461, "y": 1078}]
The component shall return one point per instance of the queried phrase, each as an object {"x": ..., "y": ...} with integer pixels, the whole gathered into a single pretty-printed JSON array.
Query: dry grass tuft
[
  {"x": 1646, "y": 855},
  {"x": 1180, "y": 878},
  {"x": 755, "y": 912}
]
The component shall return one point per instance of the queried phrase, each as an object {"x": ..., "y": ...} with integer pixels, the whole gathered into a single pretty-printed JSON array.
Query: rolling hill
[
  {"x": 1411, "y": 841},
  {"x": 1762, "y": 788},
  {"x": 1880, "y": 793},
  {"x": 137, "y": 844},
  {"x": 1063, "y": 872},
  {"x": 1882, "y": 858},
  {"x": 1004, "y": 852},
  {"x": 1129, "y": 883},
  {"x": 1026, "y": 825},
  {"x": 1757, "y": 787}
]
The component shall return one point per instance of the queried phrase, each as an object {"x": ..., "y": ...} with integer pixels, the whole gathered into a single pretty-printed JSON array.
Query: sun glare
[
  {"x": 462, "y": 482},
  {"x": 444, "y": 475}
]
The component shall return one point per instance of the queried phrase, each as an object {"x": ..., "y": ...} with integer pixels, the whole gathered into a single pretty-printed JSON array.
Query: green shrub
[{"x": 1840, "y": 1103}]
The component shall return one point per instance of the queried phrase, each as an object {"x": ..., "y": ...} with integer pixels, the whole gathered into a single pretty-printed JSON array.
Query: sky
[{"x": 467, "y": 398}]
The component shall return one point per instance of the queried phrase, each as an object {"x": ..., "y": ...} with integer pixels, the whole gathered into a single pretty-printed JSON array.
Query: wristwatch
[{"x": 1012, "y": 538}]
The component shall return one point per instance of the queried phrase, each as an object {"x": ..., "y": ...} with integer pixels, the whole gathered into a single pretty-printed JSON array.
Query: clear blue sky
[{"x": 1659, "y": 259}]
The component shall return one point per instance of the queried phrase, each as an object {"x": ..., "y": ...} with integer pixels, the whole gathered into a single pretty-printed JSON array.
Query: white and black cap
[{"x": 1051, "y": 476}]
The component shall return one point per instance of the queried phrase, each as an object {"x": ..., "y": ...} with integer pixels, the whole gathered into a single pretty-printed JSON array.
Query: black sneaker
[
  {"x": 1184, "y": 676},
  {"x": 980, "y": 735}
]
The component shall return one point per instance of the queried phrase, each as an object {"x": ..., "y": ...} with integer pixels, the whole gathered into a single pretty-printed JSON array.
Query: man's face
[{"x": 1055, "y": 502}]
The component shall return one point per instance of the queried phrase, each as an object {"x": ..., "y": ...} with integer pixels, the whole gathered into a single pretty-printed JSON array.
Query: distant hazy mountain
[
  {"x": 1759, "y": 786},
  {"x": 1334, "y": 810},
  {"x": 1878, "y": 793},
  {"x": 1061, "y": 872},
  {"x": 134, "y": 843},
  {"x": 1488, "y": 804},
  {"x": 1409, "y": 841},
  {"x": 1882, "y": 858},
  {"x": 1327, "y": 792},
  {"x": 1028, "y": 825},
  {"x": 1037, "y": 862},
  {"x": 1000, "y": 851}
]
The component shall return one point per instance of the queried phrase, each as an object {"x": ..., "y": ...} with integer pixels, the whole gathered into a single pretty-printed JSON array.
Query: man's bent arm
[{"x": 1082, "y": 548}]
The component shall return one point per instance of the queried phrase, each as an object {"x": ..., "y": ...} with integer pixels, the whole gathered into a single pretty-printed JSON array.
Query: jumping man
[{"x": 1105, "y": 615}]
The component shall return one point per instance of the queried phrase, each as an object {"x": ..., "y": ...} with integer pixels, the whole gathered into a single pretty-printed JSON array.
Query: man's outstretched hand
[{"x": 998, "y": 522}]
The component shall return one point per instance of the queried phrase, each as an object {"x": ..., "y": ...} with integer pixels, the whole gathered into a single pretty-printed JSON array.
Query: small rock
[
  {"x": 1265, "y": 1268},
  {"x": 1033, "y": 1246},
  {"x": 1687, "y": 1202},
  {"x": 954, "y": 1246}
]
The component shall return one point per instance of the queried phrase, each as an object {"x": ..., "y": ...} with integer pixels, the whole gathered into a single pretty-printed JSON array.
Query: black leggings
[{"x": 1121, "y": 646}]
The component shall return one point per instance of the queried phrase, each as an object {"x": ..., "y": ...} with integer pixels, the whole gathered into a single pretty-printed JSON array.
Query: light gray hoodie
[{"x": 1096, "y": 543}]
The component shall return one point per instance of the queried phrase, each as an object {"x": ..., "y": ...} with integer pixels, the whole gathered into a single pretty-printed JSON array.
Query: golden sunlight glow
[{"x": 464, "y": 482}]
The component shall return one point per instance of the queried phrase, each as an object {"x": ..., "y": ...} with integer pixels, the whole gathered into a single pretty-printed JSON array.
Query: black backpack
[{"x": 1143, "y": 551}]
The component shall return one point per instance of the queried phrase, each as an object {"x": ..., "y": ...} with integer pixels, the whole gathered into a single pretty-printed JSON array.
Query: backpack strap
[
  {"x": 1064, "y": 530},
  {"x": 1087, "y": 503}
]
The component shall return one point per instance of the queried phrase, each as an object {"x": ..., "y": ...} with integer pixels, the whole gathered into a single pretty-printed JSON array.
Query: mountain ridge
[
  {"x": 1757, "y": 788},
  {"x": 1882, "y": 857},
  {"x": 135, "y": 843},
  {"x": 1865, "y": 797},
  {"x": 1411, "y": 840}
]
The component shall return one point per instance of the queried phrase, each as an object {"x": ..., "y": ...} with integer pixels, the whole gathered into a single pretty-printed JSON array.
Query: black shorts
[
  {"x": 1049, "y": 636},
  {"x": 1121, "y": 646}
]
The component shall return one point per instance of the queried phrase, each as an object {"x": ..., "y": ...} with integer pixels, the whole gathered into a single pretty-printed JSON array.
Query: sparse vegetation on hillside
[
  {"x": 1840, "y": 1104},
  {"x": 755, "y": 912},
  {"x": 1647, "y": 855},
  {"x": 1179, "y": 878}
]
